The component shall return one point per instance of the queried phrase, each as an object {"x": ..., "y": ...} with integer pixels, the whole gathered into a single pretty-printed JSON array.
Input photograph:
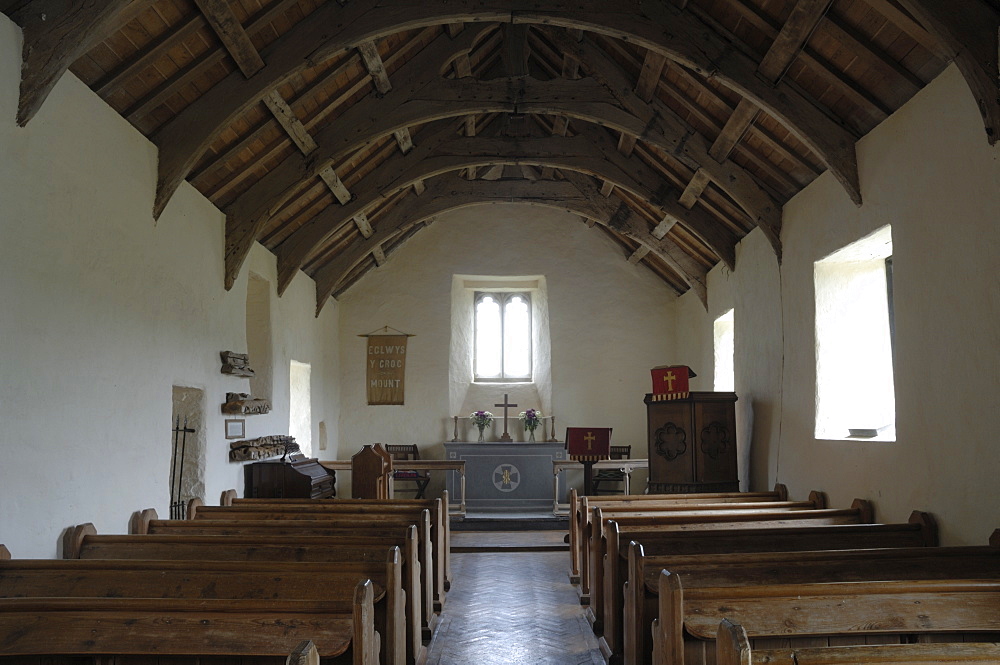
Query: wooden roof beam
[
  {"x": 683, "y": 142},
  {"x": 56, "y": 34},
  {"x": 332, "y": 27},
  {"x": 429, "y": 98},
  {"x": 200, "y": 65},
  {"x": 969, "y": 31},
  {"x": 227, "y": 27},
  {"x": 380, "y": 78},
  {"x": 448, "y": 193},
  {"x": 805, "y": 16},
  {"x": 591, "y": 152},
  {"x": 246, "y": 217}
]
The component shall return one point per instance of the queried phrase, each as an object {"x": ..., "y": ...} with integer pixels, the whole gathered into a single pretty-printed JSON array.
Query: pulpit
[{"x": 692, "y": 443}]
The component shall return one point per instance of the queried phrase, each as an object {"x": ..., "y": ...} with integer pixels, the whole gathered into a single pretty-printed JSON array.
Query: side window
[{"x": 855, "y": 393}]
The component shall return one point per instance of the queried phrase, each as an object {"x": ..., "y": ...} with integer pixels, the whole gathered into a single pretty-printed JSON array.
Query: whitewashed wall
[
  {"x": 930, "y": 173},
  {"x": 102, "y": 312},
  {"x": 609, "y": 322}
]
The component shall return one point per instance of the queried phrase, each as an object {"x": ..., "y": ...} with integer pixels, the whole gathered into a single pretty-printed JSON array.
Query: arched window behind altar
[{"x": 503, "y": 334}]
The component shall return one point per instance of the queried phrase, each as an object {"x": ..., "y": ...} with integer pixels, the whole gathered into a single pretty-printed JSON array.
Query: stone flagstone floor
[{"x": 513, "y": 608}]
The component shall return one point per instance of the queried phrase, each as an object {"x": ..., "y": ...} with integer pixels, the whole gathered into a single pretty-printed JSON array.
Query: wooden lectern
[{"x": 588, "y": 445}]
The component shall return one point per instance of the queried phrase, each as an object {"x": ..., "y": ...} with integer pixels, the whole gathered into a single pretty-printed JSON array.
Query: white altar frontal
[{"x": 506, "y": 477}]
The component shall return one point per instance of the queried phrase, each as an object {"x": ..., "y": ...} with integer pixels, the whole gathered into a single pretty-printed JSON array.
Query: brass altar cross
[{"x": 506, "y": 403}]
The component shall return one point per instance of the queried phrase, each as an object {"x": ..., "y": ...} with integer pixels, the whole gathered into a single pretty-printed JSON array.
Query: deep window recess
[{"x": 502, "y": 337}]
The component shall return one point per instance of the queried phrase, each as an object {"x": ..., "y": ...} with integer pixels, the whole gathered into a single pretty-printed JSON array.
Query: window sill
[
  {"x": 502, "y": 382},
  {"x": 885, "y": 435}
]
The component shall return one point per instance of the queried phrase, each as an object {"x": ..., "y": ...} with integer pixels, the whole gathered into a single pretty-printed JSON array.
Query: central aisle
[{"x": 513, "y": 608}]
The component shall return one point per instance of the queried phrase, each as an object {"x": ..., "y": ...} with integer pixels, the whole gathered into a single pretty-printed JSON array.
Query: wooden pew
[
  {"x": 581, "y": 506},
  {"x": 834, "y": 614},
  {"x": 860, "y": 512},
  {"x": 345, "y": 527},
  {"x": 85, "y": 543},
  {"x": 296, "y": 508},
  {"x": 591, "y": 528},
  {"x": 210, "y": 631},
  {"x": 197, "y": 580},
  {"x": 790, "y": 567},
  {"x": 920, "y": 531},
  {"x": 732, "y": 647}
]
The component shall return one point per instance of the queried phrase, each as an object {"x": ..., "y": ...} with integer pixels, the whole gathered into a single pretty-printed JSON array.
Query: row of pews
[
  {"x": 250, "y": 582},
  {"x": 754, "y": 578}
]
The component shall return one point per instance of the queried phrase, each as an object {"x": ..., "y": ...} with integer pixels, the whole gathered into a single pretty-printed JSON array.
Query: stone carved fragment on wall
[
  {"x": 262, "y": 448},
  {"x": 243, "y": 403},
  {"x": 236, "y": 364}
]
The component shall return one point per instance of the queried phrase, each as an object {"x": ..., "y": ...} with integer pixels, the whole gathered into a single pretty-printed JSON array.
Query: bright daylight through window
[{"x": 503, "y": 337}]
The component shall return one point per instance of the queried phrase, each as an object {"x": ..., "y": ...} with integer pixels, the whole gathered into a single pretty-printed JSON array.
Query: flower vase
[
  {"x": 531, "y": 436},
  {"x": 481, "y": 428}
]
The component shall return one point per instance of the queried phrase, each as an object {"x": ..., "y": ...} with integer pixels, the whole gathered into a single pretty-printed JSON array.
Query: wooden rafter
[
  {"x": 969, "y": 31},
  {"x": 591, "y": 152},
  {"x": 230, "y": 31},
  {"x": 246, "y": 217},
  {"x": 187, "y": 136},
  {"x": 446, "y": 193},
  {"x": 682, "y": 141},
  {"x": 57, "y": 33}
]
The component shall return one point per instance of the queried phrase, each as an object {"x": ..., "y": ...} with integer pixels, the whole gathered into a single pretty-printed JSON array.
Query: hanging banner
[{"x": 386, "y": 368}]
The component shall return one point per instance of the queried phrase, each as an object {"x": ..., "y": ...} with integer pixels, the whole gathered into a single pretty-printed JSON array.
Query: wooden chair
[
  {"x": 612, "y": 475},
  {"x": 409, "y": 452}
]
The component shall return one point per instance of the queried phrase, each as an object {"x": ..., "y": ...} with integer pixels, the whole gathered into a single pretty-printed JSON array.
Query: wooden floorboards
[{"x": 512, "y": 608}]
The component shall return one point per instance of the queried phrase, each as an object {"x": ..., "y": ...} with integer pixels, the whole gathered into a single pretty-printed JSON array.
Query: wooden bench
[
  {"x": 592, "y": 528},
  {"x": 732, "y": 647},
  {"x": 284, "y": 509},
  {"x": 376, "y": 512},
  {"x": 345, "y": 527},
  {"x": 85, "y": 543},
  {"x": 580, "y": 514},
  {"x": 822, "y": 614},
  {"x": 796, "y": 567},
  {"x": 258, "y": 631},
  {"x": 920, "y": 531},
  {"x": 729, "y": 517}
]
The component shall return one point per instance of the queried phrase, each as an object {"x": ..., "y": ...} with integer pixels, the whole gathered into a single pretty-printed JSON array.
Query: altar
[{"x": 507, "y": 476}]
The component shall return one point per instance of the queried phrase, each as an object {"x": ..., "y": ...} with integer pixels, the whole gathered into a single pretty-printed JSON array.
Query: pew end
[
  {"x": 866, "y": 510},
  {"x": 928, "y": 527},
  {"x": 782, "y": 491},
  {"x": 732, "y": 646},
  {"x": 364, "y": 644},
  {"x": 226, "y": 498},
  {"x": 192, "y": 507},
  {"x": 138, "y": 524},
  {"x": 73, "y": 539},
  {"x": 995, "y": 538},
  {"x": 304, "y": 654},
  {"x": 4, "y": 553},
  {"x": 670, "y": 629},
  {"x": 818, "y": 499}
]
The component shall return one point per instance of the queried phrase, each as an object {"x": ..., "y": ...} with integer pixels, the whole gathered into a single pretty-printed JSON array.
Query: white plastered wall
[
  {"x": 102, "y": 313},
  {"x": 929, "y": 172},
  {"x": 609, "y": 322}
]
